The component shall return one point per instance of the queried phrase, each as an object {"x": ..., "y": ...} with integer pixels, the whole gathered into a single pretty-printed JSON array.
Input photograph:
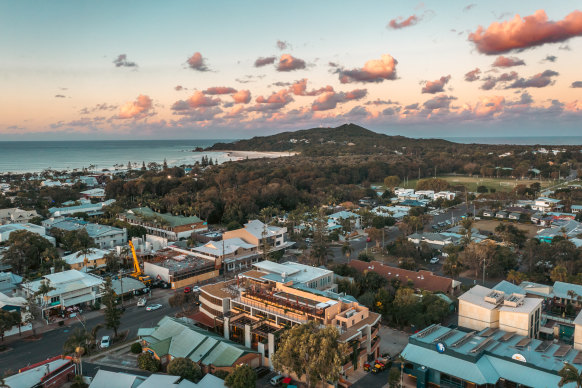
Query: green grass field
[{"x": 471, "y": 183}]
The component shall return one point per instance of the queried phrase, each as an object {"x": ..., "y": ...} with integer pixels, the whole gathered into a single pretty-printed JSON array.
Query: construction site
[{"x": 180, "y": 269}]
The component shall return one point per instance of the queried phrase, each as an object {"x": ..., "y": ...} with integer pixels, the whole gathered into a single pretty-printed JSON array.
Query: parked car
[
  {"x": 153, "y": 307},
  {"x": 434, "y": 260},
  {"x": 262, "y": 371},
  {"x": 195, "y": 289},
  {"x": 105, "y": 341},
  {"x": 141, "y": 302},
  {"x": 187, "y": 290},
  {"x": 276, "y": 380}
]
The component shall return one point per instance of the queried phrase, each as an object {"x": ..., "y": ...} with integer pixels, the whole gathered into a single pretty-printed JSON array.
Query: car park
[{"x": 153, "y": 307}]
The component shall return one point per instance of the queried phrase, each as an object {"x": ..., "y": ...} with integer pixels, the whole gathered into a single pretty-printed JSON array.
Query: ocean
[{"x": 35, "y": 156}]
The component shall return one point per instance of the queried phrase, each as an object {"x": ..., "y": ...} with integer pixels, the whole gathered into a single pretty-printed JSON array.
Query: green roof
[
  {"x": 161, "y": 348},
  {"x": 171, "y": 220}
]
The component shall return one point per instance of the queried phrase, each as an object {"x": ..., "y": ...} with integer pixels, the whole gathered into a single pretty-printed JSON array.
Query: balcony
[
  {"x": 283, "y": 301},
  {"x": 265, "y": 307}
]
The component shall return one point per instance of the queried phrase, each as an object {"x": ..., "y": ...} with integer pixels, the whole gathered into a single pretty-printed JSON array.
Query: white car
[
  {"x": 153, "y": 307},
  {"x": 195, "y": 289},
  {"x": 434, "y": 260},
  {"x": 105, "y": 341},
  {"x": 141, "y": 302}
]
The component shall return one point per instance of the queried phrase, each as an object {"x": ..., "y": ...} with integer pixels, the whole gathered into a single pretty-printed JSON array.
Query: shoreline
[{"x": 240, "y": 155}]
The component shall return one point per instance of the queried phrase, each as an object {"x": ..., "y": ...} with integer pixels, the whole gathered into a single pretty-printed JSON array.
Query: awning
[{"x": 79, "y": 299}]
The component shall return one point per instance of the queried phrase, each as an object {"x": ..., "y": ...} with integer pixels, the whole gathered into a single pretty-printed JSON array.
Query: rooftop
[
  {"x": 298, "y": 273},
  {"x": 172, "y": 220},
  {"x": 224, "y": 247},
  {"x": 176, "y": 261},
  {"x": 78, "y": 257}
]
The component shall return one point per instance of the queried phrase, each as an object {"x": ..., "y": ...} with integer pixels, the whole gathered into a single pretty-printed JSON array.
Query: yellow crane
[{"x": 137, "y": 273}]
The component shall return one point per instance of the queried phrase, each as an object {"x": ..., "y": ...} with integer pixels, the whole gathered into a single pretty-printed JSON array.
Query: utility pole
[
  {"x": 484, "y": 260},
  {"x": 121, "y": 282}
]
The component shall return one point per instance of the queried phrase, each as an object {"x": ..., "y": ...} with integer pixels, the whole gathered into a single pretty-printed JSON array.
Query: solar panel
[
  {"x": 489, "y": 332},
  {"x": 443, "y": 337},
  {"x": 463, "y": 340},
  {"x": 428, "y": 330},
  {"x": 523, "y": 343},
  {"x": 544, "y": 346},
  {"x": 506, "y": 336},
  {"x": 578, "y": 358},
  {"x": 482, "y": 345},
  {"x": 562, "y": 350}
]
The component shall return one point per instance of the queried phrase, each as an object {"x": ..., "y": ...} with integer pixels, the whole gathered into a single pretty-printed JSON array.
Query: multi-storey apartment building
[{"x": 261, "y": 303}]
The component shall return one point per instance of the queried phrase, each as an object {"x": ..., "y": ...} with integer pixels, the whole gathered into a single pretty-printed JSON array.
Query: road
[
  {"x": 359, "y": 244},
  {"x": 24, "y": 353}
]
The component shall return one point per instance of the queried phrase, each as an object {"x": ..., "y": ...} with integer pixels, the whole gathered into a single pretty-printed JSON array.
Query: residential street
[{"x": 24, "y": 353}]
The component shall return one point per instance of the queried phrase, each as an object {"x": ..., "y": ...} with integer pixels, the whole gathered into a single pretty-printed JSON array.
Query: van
[{"x": 276, "y": 380}]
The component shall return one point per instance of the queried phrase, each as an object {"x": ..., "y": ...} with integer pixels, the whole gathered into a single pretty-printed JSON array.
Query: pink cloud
[
  {"x": 375, "y": 70},
  {"x": 287, "y": 62},
  {"x": 489, "y": 106},
  {"x": 439, "y": 102},
  {"x": 299, "y": 88},
  {"x": 491, "y": 82},
  {"x": 539, "y": 80},
  {"x": 263, "y": 61},
  {"x": 396, "y": 24},
  {"x": 531, "y": 31},
  {"x": 242, "y": 97},
  {"x": 136, "y": 109},
  {"x": 472, "y": 75},
  {"x": 198, "y": 99},
  {"x": 280, "y": 97},
  {"x": 502, "y": 61},
  {"x": 197, "y": 62},
  {"x": 219, "y": 90},
  {"x": 437, "y": 86},
  {"x": 330, "y": 100}
]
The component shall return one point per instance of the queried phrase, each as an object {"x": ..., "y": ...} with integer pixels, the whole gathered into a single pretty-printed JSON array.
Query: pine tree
[
  {"x": 129, "y": 165},
  {"x": 165, "y": 164},
  {"x": 143, "y": 166}
]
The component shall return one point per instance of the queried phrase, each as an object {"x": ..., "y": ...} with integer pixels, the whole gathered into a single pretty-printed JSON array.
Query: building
[
  {"x": 104, "y": 236},
  {"x": 545, "y": 204},
  {"x": 51, "y": 373},
  {"x": 438, "y": 240},
  {"x": 164, "y": 224},
  {"x": 397, "y": 212},
  {"x": 565, "y": 228},
  {"x": 89, "y": 208},
  {"x": 71, "y": 288},
  {"x": 93, "y": 193},
  {"x": 6, "y": 230},
  {"x": 336, "y": 219},
  {"x": 455, "y": 357},
  {"x": 261, "y": 303},
  {"x": 234, "y": 253},
  {"x": 95, "y": 259},
  {"x": 448, "y": 195},
  {"x": 257, "y": 233},
  {"x": 421, "y": 280},
  {"x": 50, "y": 183},
  {"x": 16, "y": 216},
  {"x": 403, "y": 194},
  {"x": 9, "y": 282},
  {"x": 181, "y": 268},
  {"x": 108, "y": 379},
  {"x": 481, "y": 308},
  {"x": 91, "y": 181},
  {"x": 172, "y": 338},
  {"x": 576, "y": 209}
]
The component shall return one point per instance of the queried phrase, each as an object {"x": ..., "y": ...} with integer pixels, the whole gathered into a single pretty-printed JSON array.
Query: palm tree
[
  {"x": 84, "y": 251},
  {"x": 77, "y": 342},
  {"x": 347, "y": 250},
  {"x": 569, "y": 374},
  {"x": 43, "y": 290}
]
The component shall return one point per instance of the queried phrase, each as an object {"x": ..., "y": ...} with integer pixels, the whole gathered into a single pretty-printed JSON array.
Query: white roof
[
  {"x": 257, "y": 228},
  {"x": 76, "y": 258},
  {"x": 230, "y": 245},
  {"x": 299, "y": 273},
  {"x": 107, "y": 379},
  {"x": 66, "y": 281},
  {"x": 94, "y": 192},
  {"x": 476, "y": 295},
  {"x": 31, "y": 378}
]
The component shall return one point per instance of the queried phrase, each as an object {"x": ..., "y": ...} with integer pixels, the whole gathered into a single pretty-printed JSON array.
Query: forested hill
[{"x": 345, "y": 139}]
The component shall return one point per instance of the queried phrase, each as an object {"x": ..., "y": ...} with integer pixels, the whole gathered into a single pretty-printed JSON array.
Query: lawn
[
  {"x": 471, "y": 183},
  {"x": 490, "y": 225}
]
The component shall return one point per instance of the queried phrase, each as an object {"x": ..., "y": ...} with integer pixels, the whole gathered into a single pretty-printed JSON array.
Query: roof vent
[
  {"x": 494, "y": 297},
  {"x": 514, "y": 300}
]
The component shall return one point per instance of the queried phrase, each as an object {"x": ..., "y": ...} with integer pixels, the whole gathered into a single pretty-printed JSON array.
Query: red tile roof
[{"x": 424, "y": 280}]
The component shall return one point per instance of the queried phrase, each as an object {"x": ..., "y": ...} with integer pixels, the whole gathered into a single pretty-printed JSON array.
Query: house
[
  {"x": 172, "y": 338},
  {"x": 422, "y": 280},
  {"x": 165, "y": 225},
  {"x": 262, "y": 303},
  {"x": 337, "y": 218},
  {"x": 234, "y": 253},
  {"x": 257, "y": 233},
  {"x": 104, "y": 236},
  {"x": 397, "y": 212},
  {"x": 488, "y": 213},
  {"x": 403, "y": 194},
  {"x": 566, "y": 228},
  {"x": 94, "y": 259},
  {"x": 435, "y": 239},
  {"x": 90, "y": 181},
  {"x": 71, "y": 288},
  {"x": 576, "y": 209},
  {"x": 483, "y": 308},
  {"x": 9, "y": 282},
  {"x": 545, "y": 204},
  {"x": 448, "y": 195},
  {"x": 428, "y": 194},
  {"x": 93, "y": 194},
  {"x": 16, "y": 216},
  {"x": 89, "y": 208},
  {"x": 501, "y": 215},
  {"x": 53, "y": 372},
  {"x": 514, "y": 216},
  {"x": 6, "y": 230},
  {"x": 108, "y": 379},
  {"x": 50, "y": 183}
]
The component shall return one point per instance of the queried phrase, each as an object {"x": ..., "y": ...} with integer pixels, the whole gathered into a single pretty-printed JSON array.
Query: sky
[{"x": 234, "y": 69}]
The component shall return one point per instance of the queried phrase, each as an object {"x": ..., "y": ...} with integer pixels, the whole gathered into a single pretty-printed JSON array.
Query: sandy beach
[{"x": 239, "y": 155}]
